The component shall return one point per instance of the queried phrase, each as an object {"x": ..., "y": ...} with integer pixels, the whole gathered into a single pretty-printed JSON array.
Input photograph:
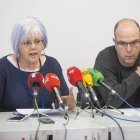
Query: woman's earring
[
  {"x": 17, "y": 55},
  {"x": 43, "y": 51}
]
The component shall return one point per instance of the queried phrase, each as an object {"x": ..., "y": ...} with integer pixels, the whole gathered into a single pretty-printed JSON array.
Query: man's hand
[{"x": 138, "y": 70}]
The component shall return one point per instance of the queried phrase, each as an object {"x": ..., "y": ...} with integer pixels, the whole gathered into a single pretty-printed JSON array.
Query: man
[{"x": 120, "y": 64}]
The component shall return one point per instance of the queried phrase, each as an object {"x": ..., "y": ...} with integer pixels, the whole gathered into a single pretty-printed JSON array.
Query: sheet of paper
[{"x": 44, "y": 111}]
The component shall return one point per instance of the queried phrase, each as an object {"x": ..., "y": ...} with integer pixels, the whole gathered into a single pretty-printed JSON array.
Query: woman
[{"x": 28, "y": 41}]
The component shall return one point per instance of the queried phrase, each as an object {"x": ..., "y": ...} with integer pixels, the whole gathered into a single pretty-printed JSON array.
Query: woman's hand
[{"x": 70, "y": 101}]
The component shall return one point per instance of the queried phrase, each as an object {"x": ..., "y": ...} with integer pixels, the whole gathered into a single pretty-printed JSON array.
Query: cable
[
  {"x": 115, "y": 121},
  {"x": 129, "y": 106},
  {"x": 67, "y": 117},
  {"x": 104, "y": 113},
  {"x": 124, "y": 119},
  {"x": 127, "y": 102},
  {"x": 66, "y": 128},
  {"x": 36, "y": 134}
]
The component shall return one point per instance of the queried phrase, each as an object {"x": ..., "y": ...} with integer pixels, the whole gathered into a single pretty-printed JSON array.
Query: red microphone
[
  {"x": 52, "y": 83},
  {"x": 36, "y": 82},
  {"x": 75, "y": 78},
  {"x": 51, "y": 80},
  {"x": 74, "y": 75}
]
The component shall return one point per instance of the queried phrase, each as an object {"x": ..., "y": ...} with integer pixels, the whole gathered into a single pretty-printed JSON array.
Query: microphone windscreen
[
  {"x": 51, "y": 80},
  {"x": 74, "y": 75},
  {"x": 96, "y": 76},
  {"x": 87, "y": 78},
  {"x": 36, "y": 79}
]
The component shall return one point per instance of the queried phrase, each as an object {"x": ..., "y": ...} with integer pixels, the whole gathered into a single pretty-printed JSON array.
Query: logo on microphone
[
  {"x": 71, "y": 71},
  {"x": 55, "y": 77}
]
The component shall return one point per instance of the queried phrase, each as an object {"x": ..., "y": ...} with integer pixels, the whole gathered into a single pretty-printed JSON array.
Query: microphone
[
  {"x": 88, "y": 83},
  {"x": 36, "y": 82},
  {"x": 75, "y": 78},
  {"x": 52, "y": 83},
  {"x": 98, "y": 80}
]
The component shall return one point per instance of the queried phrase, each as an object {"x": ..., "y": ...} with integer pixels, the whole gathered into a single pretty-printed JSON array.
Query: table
[
  {"x": 131, "y": 129},
  {"x": 82, "y": 127},
  {"x": 77, "y": 129}
]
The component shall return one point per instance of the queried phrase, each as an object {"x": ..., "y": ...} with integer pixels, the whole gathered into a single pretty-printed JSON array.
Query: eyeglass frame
[
  {"x": 133, "y": 44},
  {"x": 28, "y": 43}
]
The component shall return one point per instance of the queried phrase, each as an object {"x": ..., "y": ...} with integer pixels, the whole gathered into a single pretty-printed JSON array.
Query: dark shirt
[
  {"x": 124, "y": 80},
  {"x": 15, "y": 92}
]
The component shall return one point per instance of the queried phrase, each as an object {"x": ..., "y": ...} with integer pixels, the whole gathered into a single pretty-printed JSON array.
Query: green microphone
[{"x": 96, "y": 76}]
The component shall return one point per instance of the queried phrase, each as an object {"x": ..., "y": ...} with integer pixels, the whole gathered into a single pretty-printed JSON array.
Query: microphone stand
[
  {"x": 56, "y": 105},
  {"x": 79, "y": 102},
  {"x": 110, "y": 106},
  {"x": 35, "y": 94},
  {"x": 93, "y": 99},
  {"x": 65, "y": 113},
  {"x": 91, "y": 105},
  {"x": 35, "y": 106},
  {"x": 35, "y": 99}
]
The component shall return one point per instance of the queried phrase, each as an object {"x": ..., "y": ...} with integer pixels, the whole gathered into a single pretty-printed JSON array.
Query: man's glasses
[
  {"x": 124, "y": 44},
  {"x": 36, "y": 42}
]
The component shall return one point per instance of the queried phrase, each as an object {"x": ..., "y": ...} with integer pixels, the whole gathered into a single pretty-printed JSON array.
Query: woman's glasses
[{"x": 29, "y": 43}]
